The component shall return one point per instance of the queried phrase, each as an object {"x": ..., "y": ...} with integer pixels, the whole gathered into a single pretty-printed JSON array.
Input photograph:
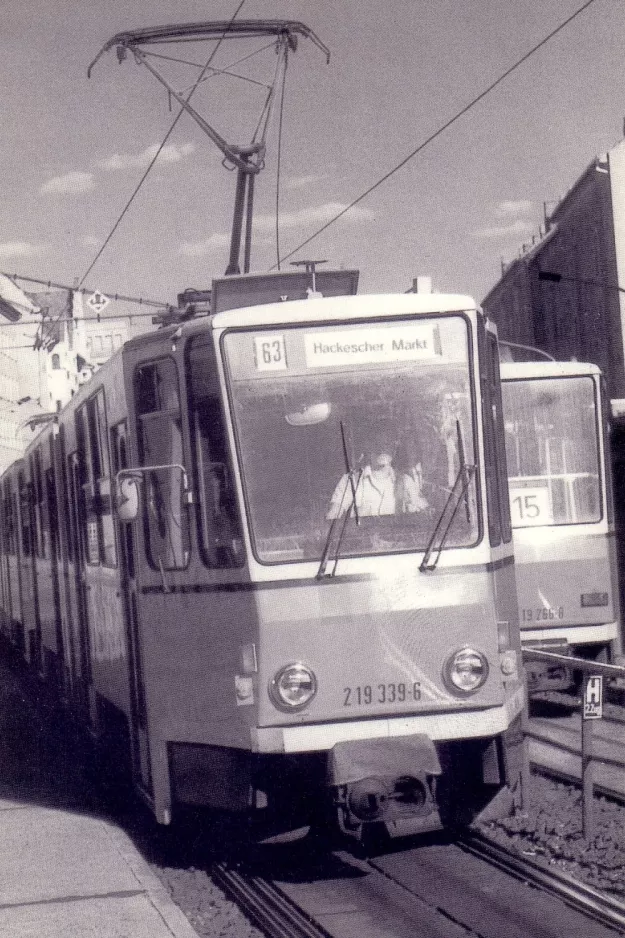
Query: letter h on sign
[{"x": 593, "y": 698}]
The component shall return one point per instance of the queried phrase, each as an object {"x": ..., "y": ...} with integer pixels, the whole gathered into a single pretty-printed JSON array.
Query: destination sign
[{"x": 406, "y": 342}]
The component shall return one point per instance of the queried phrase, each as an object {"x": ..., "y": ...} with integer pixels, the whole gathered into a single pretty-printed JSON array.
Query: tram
[
  {"x": 269, "y": 551},
  {"x": 557, "y": 448}
]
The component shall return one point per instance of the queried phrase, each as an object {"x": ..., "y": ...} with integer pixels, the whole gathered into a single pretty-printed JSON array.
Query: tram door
[
  {"x": 78, "y": 514},
  {"x": 127, "y": 567}
]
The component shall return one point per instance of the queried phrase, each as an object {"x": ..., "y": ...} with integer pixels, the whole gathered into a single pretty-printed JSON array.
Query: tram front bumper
[{"x": 383, "y": 779}]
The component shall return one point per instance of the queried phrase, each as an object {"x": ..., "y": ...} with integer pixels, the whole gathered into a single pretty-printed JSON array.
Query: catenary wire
[
  {"x": 64, "y": 286},
  {"x": 441, "y": 129}
]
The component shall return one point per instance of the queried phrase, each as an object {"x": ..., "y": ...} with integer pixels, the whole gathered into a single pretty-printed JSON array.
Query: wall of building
[{"x": 583, "y": 315}]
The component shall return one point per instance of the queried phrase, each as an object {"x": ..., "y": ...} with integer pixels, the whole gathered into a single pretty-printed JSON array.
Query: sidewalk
[
  {"x": 64, "y": 875},
  {"x": 65, "y": 872}
]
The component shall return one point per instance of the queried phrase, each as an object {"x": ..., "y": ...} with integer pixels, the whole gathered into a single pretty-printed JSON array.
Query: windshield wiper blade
[
  {"x": 462, "y": 462},
  {"x": 462, "y": 481},
  {"x": 350, "y": 473},
  {"x": 344, "y": 518},
  {"x": 351, "y": 507}
]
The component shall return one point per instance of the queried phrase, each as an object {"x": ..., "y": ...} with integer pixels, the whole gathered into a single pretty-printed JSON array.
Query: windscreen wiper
[
  {"x": 460, "y": 486},
  {"x": 353, "y": 485},
  {"x": 465, "y": 494}
]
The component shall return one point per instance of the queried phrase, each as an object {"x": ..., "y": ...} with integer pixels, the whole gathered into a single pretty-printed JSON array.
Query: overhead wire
[
  {"x": 441, "y": 129},
  {"x": 142, "y": 301}
]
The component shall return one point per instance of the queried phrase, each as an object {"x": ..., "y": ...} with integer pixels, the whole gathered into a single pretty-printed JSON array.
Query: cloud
[
  {"x": 266, "y": 224},
  {"x": 303, "y": 182},
  {"x": 73, "y": 183},
  {"x": 207, "y": 246},
  {"x": 511, "y": 209},
  {"x": 20, "y": 249},
  {"x": 171, "y": 153},
  {"x": 314, "y": 215},
  {"x": 515, "y": 228}
]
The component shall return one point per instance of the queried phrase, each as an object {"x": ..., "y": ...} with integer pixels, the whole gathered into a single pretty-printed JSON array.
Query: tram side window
[
  {"x": 218, "y": 519},
  {"x": 10, "y": 540},
  {"x": 96, "y": 481},
  {"x": 102, "y": 471},
  {"x": 6, "y": 521},
  {"x": 14, "y": 525},
  {"x": 89, "y": 515},
  {"x": 52, "y": 514},
  {"x": 25, "y": 516},
  {"x": 66, "y": 519},
  {"x": 41, "y": 510},
  {"x": 38, "y": 529},
  {"x": 159, "y": 421}
]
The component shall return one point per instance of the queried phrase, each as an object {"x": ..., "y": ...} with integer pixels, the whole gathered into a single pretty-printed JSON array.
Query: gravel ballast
[{"x": 550, "y": 829}]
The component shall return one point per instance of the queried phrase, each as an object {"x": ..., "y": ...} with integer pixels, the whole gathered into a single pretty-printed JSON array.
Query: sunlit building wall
[{"x": 581, "y": 315}]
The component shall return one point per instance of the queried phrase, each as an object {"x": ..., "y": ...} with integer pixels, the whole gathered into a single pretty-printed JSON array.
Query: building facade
[
  {"x": 565, "y": 294},
  {"x": 49, "y": 345}
]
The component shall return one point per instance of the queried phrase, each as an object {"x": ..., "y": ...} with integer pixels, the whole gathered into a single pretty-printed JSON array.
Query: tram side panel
[
  {"x": 13, "y": 608},
  {"x": 10, "y": 587},
  {"x": 28, "y": 569}
]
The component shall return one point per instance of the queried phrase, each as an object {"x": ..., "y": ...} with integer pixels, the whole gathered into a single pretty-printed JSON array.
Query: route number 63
[{"x": 269, "y": 352}]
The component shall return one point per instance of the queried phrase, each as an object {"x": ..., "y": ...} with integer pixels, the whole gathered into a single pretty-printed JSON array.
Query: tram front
[{"x": 385, "y": 653}]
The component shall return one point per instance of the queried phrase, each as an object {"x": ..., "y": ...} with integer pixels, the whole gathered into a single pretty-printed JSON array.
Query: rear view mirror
[
  {"x": 308, "y": 416},
  {"x": 127, "y": 495}
]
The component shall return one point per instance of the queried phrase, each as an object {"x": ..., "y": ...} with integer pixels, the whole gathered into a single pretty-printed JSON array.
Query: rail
[
  {"x": 268, "y": 907},
  {"x": 597, "y": 905},
  {"x": 591, "y": 709}
]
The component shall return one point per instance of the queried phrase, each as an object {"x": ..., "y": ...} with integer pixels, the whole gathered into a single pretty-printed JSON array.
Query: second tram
[{"x": 557, "y": 447}]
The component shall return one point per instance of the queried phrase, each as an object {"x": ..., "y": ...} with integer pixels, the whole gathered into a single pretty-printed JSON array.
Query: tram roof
[
  {"x": 343, "y": 307},
  {"x": 511, "y": 371}
]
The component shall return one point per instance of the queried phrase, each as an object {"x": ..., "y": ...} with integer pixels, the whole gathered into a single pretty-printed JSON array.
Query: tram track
[
  {"x": 392, "y": 894},
  {"x": 266, "y": 905},
  {"x": 555, "y": 748},
  {"x": 590, "y": 902}
]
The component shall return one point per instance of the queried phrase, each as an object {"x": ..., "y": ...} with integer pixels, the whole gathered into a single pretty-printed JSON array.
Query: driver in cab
[{"x": 380, "y": 489}]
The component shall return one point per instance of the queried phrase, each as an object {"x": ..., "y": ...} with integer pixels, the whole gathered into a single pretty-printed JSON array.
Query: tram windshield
[
  {"x": 552, "y": 451},
  {"x": 365, "y": 423}
]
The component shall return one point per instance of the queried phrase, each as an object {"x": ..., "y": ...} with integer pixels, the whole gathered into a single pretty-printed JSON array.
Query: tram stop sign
[{"x": 593, "y": 698}]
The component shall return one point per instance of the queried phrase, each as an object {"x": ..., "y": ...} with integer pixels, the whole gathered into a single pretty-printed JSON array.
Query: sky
[{"x": 73, "y": 149}]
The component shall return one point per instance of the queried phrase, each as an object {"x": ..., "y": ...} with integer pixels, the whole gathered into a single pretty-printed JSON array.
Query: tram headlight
[
  {"x": 465, "y": 671},
  {"x": 293, "y": 687}
]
